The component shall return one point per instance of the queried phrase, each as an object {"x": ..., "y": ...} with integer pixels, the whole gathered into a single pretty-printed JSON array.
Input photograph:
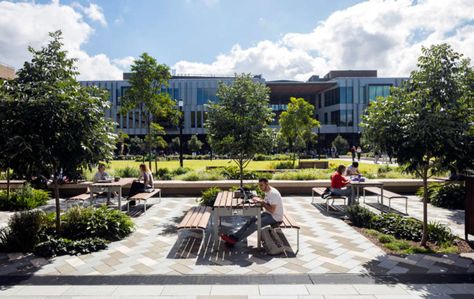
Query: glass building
[{"x": 340, "y": 99}]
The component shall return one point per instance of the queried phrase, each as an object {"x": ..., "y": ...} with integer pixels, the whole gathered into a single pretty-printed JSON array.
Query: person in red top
[{"x": 339, "y": 183}]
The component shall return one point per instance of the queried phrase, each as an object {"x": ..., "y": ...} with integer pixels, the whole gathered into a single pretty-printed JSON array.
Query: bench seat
[
  {"x": 79, "y": 198},
  {"x": 387, "y": 194},
  {"x": 143, "y": 196},
  {"x": 320, "y": 191},
  {"x": 196, "y": 218},
  {"x": 289, "y": 222}
]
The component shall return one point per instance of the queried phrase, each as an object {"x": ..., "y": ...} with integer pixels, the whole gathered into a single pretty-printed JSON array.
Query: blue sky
[
  {"x": 280, "y": 39},
  {"x": 199, "y": 30}
]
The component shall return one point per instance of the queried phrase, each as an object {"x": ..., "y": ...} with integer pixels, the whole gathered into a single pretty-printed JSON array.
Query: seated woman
[
  {"x": 101, "y": 175},
  {"x": 339, "y": 183},
  {"x": 138, "y": 186}
]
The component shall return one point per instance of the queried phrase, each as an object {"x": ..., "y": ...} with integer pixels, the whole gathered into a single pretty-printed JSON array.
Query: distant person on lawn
[
  {"x": 339, "y": 184},
  {"x": 138, "y": 186},
  {"x": 273, "y": 205}
]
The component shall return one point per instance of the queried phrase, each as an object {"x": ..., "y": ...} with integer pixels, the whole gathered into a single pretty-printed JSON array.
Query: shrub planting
[{"x": 26, "y": 198}]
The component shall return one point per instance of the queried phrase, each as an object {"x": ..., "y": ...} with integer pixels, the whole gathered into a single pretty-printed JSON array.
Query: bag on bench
[{"x": 272, "y": 241}]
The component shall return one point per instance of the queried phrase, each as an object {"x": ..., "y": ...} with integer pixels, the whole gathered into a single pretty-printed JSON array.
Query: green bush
[
  {"x": 164, "y": 174},
  {"x": 127, "y": 172},
  {"x": 440, "y": 234},
  {"x": 23, "y": 199},
  {"x": 233, "y": 173},
  {"x": 81, "y": 223},
  {"x": 448, "y": 195},
  {"x": 386, "y": 239},
  {"x": 25, "y": 229},
  {"x": 208, "y": 175},
  {"x": 208, "y": 196},
  {"x": 398, "y": 226},
  {"x": 62, "y": 246},
  {"x": 264, "y": 174},
  {"x": 303, "y": 175},
  {"x": 360, "y": 216},
  {"x": 283, "y": 165},
  {"x": 180, "y": 171}
]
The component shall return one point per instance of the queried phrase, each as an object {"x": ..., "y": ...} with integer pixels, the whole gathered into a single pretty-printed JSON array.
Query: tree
[
  {"x": 175, "y": 142},
  {"x": 238, "y": 123},
  {"x": 341, "y": 144},
  {"x": 137, "y": 146},
  {"x": 297, "y": 124},
  {"x": 59, "y": 124},
  {"x": 147, "y": 81},
  {"x": 426, "y": 122},
  {"x": 194, "y": 144}
]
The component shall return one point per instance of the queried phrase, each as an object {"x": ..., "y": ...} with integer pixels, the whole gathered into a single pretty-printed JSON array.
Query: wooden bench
[
  {"x": 387, "y": 194},
  {"x": 289, "y": 222},
  {"x": 80, "y": 198},
  {"x": 143, "y": 196},
  {"x": 196, "y": 218},
  {"x": 320, "y": 191}
]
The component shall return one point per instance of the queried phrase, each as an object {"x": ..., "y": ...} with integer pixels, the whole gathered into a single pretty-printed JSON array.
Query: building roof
[{"x": 299, "y": 87}]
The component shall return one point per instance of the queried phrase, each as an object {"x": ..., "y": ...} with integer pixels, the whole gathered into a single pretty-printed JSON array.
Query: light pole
[{"x": 181, "y": 120}]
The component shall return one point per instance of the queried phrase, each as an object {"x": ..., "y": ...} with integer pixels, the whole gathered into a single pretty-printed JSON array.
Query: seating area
[
  {"x": 320, "y": 192},
  {"x": 143, "y": 197},
  {"x": 386, "y": 194},
  {"x": 81, "y": 198}
]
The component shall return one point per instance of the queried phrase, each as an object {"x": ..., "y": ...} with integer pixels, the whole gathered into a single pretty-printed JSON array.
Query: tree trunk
[
  {"x": 156, "y": 164},
  {"x": 58, "y": 208},
  {"x": 148, "y": 143},
  {"x": 8, "y": 183},
  {"x": 241, "y": 166},
  {"x": 424, "y": 237}
]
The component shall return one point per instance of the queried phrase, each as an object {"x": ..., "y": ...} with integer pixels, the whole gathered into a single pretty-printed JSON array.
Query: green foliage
[
  {"x": 440, "y": 234},
  {"x": 209, "y": 196},
  {"x": 127, "y": 172},
  {"x": 277, "y": 157},
  {"x": 23, "y": 199},
  {"x": 283, "y": 165},
  {"x": 303, "y": 175},
  {"x": 233, "y": 173},
  {"x": 137, "y": 146},
  {"x": 447, "y": 195},
  {"x": 252, "y": 187},
  {"x": 163, "y": 174},
  {"x": 238, "y": 123},
  {"x": 181, "y": 170},
  {"x": 398, "y": 226},
  {"x": 81, "y": 223},
  {"x": 201, "y": 175},
  {"x": 146, "y": 84},
  {"x": 297, "y": 123},
  {"x": 61, "y": 246},
  {"x": 25, "y": 229},
  {"x": 341, "y": 144},
  {"x": 427, "y": 123},
  {"x": 386, "y": 238},
  {"x": 194, "y": 144},
  {"x": 360, "y": 216}
]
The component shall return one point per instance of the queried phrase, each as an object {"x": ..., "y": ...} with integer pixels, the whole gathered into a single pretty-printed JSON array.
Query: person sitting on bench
[
  {"x": 339, "y": 183},
  {"x": 138, "y": 186},
  {"x": 273, "y": 213}
]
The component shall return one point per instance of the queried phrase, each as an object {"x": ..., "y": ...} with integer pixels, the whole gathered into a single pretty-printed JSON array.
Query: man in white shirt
[
  {"x": 352, "y": 169},
  {"x": 273, "y": 206}
]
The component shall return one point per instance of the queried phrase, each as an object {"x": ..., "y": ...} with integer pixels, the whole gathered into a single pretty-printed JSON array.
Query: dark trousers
[{"x": 136, "y": 188}]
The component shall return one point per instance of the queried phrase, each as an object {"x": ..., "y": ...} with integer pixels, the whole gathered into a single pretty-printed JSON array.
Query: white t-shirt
[{"x": 273, "y": 197}]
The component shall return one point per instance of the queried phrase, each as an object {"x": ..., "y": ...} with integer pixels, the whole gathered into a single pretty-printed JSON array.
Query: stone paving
[
  {"x": 327, "y": 245},
  {"x": 302, "y": 291}
]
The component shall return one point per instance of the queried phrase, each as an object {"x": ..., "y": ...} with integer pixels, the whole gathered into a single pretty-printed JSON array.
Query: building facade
[
  {"x": 340, "y": 99},
  {"x": 6, "y": 72}
]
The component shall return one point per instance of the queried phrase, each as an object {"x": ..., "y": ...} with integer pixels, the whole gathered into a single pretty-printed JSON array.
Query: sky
[{"x": 279, "y": 39}]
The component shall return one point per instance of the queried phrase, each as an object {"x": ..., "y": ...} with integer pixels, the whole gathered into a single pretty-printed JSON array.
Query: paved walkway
[
  {"x": 302, "y": 291},
  {"x": 327, "y": 245}
]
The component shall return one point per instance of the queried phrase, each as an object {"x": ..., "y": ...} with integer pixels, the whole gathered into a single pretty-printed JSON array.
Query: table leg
[
  {"x": 215, "y": 224},
  {"x": 381, "y": 197},
  {"x": 120, "y": 200},
  {"x": 259, "y": 230},
  {"x": 91, "y": 196}
]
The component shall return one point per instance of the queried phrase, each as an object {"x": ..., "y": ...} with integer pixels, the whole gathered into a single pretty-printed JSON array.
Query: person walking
[
  {"x": 359, "y": 153},
  {"x": 353, "y": 153}
]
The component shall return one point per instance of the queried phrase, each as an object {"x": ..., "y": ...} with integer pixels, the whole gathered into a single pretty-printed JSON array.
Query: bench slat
[
  {"x": 386, "y": 193},
  {"x": 83, "y": 196},
  {"x": 145, "y": 195},
  {"x": 196, "y": 217},
  {"x": 319, "y": 191}
]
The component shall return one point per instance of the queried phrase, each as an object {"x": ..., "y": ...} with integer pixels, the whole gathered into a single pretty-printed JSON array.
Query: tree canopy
[
  {"x": 427, "y": 123},
  {"x": 238, "y": 123}
]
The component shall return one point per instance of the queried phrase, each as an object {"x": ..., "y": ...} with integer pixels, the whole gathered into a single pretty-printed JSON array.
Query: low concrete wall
[{"x": 186, "y": 188}]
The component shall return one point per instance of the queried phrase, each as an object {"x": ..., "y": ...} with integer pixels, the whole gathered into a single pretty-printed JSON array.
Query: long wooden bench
[
  {"x": 320, "y": 191},
  {"x": 386, "y": 194},
  {"x": 80, "y": 198},
  {"x": 143, "y": 196},
  {"x": 289, "y": 222},
  {"x": 196, "y": 218}
]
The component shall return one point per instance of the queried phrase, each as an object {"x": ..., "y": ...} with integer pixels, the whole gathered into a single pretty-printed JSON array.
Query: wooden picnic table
[
  {"x": 109, "y": 187},
  {"x": 228, "y": 205}
]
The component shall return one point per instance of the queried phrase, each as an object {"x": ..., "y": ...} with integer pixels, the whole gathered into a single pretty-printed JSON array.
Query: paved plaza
[{"x": 328, "y": 246}]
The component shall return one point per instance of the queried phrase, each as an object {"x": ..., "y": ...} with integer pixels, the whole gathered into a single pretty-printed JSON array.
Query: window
[
  {"x": 346, "y": 118},
  {"x": 279, "y": 107},
  {"x": 378, "y": 91},
  {"x": 137, "y": 119},
  {"x": 199, "y": 119},
  {"x": 123, "y": 90},
  {"x": 117, "y": 120},
  {"x": 331, "y": 97},
  {"x": 319, "y": 100},
  {"x": 173, "y": 92},
  {"x": 205, "y": 95},
  {"x": 193, "y": 119},
  {"x": 335, "y": 118},
  {"x": 325, "y": 118}
]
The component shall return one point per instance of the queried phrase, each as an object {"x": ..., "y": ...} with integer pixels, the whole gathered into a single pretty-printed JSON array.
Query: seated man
[
  {"x": 339, "y": 183},
  {"x": 273, "y": 213},
  {"x": 353, "y": 169}
]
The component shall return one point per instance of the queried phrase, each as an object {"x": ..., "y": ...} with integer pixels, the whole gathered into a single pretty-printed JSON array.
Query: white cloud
[
  {"x": 384, "y": 35},
  {"x": 93, "y": 12},
  {"x": 26, "y": 24}
]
